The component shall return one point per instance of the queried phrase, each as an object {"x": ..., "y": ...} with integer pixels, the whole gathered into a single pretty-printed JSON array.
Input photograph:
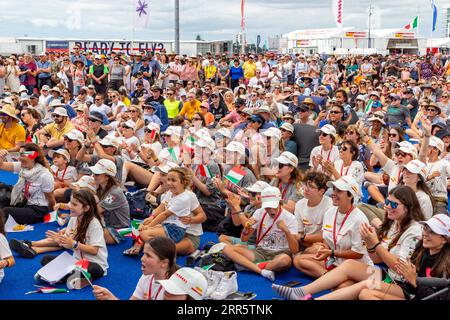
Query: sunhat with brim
[
  {"x": 61, "y": 112},
  {"x": 417, "y": 167},
  {"x": 130, "y": 124},
  {"x": 104, "y": 166},
  {"x": 288, "y": 158},
  {"x": 346, "y": 183},
  {"x": 75, "y": 135},
  {"x": 288, "y": 116},
  {"x": 55, "y": 103},
  {"x": 206, "y": 142},
  {"x": 186, "y": 281},
  {"x": 10, "y": 111},
  {"x": 110, "y": 141},
  {"x": 377, "y": 118},
  {"x": 62, "y": 152},
  {"x": 56, "y": 89},
  {"x": 288, "y": 127},
  {"x": 439, "y": 224},
  {"x": 85, "y": 182},
  {"x": 272, "y": 132},
  {"x": 262, "y": 109},
  {"x": 270, "y": 198},
  {"x": 258, "y": 186},
  {"x": 235, "y": 146},
  {"x": 224, "y": 132}
]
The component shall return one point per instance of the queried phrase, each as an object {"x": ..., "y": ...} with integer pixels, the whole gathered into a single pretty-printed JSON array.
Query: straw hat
[{"x": 10, "y": 111}]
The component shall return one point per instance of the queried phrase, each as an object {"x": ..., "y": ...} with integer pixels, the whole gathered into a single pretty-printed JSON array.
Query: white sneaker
[
  {"x": 228, "y": 285},
  {"x": 77, "y": 281}
]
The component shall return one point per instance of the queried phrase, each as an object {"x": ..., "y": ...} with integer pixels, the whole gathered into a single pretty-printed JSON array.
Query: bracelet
[
  {"x": 332, "y": 253},
  {"x": 372, "y": 250}
]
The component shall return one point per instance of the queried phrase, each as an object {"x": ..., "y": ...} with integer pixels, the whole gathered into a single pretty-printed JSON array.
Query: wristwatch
[{"x": 75, "y": 244}]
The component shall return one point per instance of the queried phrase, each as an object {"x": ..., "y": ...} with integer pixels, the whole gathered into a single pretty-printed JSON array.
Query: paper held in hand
[{"x": 57, "y": 269}]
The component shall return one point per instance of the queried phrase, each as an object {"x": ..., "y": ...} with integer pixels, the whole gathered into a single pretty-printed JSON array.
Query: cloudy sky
[{"x": 212, "y": 19}]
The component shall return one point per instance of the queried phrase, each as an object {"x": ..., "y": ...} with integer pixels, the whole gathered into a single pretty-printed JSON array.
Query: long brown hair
[
  {"x": 441, "y": 267},
  {"x": 165, "y": 248},
  {"x": 41, "y": 157},
  {"x": 408, "y": 198},
  {"x": 112, "y": 181},
  {"x": 86, "y": 198}
]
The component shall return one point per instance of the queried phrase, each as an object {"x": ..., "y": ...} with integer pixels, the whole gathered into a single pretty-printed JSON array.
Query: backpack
[
  {"x": 219, "y": 261},
  {"x": 139, "y": 209}
]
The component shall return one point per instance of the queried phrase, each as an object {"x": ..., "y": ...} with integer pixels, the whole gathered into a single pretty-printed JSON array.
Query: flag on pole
[
  {"x": 135, "y": 228},
  {"x": 124, "y": 231},
  {"x": 434, "y": 8},
  {"x": 204, "y": 171},
  {"x": 242, "y": 14},
  {"x": 369, "y": 107},
  {"x": 338, "y": 8},
  {"x": 51, "y": 217},
  {"x": 235, "y": 175},
  {"x": 141, "y": 14},
  {"x": 53, "y": 290},
  {"x": 414, "y": 24},
  {"x": 173, "y": 154}
]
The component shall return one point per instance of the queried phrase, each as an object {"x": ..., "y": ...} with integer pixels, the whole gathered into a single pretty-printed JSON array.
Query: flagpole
[
  {"x": 177, "y": 26},
  {"x": 133, "y": 30}
]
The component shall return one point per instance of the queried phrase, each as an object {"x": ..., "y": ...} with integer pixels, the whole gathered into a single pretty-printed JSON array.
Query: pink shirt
[{"x": 175, "y": 67}]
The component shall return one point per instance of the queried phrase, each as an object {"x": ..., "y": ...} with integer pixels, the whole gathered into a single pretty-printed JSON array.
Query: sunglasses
[
  {"x": 281, "y": 165},
  {"x": 125, "y": 127},
  {"x": 350, "y": 132},
  {"x": 343, "y": 149},
  {"x": 133, "y": 111},
  {"x": 431, "y": 110},
  {"x": 23, "y": 114},
  {"x": 335, "y": 112},
  {"x": 323, "y": 134},
  {"x": 393, "y": 135},
  {"x": 170, "y": 94},
  {"x": 401, "y": 153},
  {"x": 56, "y": 116},
  {"x": 98, "y": 99},
  {"x": 392, "y": 204},
  {"x": 197, "y": 119}
]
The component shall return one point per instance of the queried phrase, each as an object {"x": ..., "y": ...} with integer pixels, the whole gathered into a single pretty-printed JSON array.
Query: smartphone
[{"x": 291, "y": 284}]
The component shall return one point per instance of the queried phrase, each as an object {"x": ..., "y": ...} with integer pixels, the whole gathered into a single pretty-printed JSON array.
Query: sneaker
[
  {"x": 228, "y": 285},
  {"x": 77, "y": 281},
  {"x": 213, "y": 278},
  {"x": 23, "y": 248}
]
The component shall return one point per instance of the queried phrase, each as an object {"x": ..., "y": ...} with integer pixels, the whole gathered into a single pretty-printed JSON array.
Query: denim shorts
[
  {"x": 235, "y": 241},
  {"x": 115, "y": 235},
  {"x": 174, "y": 232}
]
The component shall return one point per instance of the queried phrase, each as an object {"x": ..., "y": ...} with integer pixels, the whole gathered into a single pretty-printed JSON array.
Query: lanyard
[
  {"x": 283, "y": 191},
  {"x": 342, "y": 224},
  {"x": 150, "y": 289},
  {"x": 329, "y": 153},
  {"x": 259, "y": 239},
  {"x": 63, "y": 175},
  {"x": 342, "y": 169},
  {"x": 27, "y": 190}
]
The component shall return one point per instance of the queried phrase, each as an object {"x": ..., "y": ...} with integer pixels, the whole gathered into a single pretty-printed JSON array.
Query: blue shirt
[
  {"x": 43, "y": 65},
  {"x": 236, "y": 73},
  {"x": 74, "y": 58}
]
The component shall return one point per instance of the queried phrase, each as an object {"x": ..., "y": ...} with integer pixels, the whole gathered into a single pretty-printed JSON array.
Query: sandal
[
  {"x": 23, "y": 248},
  {"x": 134, "y": 251}
]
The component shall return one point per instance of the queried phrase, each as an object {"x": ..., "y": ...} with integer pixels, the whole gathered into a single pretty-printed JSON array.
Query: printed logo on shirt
[
  {"x": 110, "y": 199},
  {"x": 306, "y": 222},
  {"x": 328, "y": 228}
]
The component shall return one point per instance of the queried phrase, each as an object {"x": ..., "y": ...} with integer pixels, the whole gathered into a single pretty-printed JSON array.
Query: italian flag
[
  {"x": 204, "y": 171},
  {"x": 190, "y": 144},
  {"x": 124, "y": 231},
  {"x": 369, "y": 106},
  {"x": 82, "y": 264},
  {"x": 51, "y": 217},
  {"x": 52, "y": 290},
  {"x": 135, "y": 228},
  {"x": 235, "y": 175},
  {"x": 413, "y": 24},
  {"x": 32, "y": 139},
  {"x": 173, "y": 154}
]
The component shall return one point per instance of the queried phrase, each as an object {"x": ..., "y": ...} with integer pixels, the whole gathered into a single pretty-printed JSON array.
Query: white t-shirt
[
  {"x": 166, "y": 156},
  {"x": 310, "y": 219},
  {"x": 275, "y": 239},
  {"x": 180, "y": 205},
  {"x": 425, "y": 204},
  {"x": 438, "y": 185},
  {"x": 192, "y": 229},
  {"x": 405, "y": 245},
  {"x": 44, "y": 184},
  {"x": 331, "y": 155},
  {"x": 143, "y": 287},
  {"x": 394, "y": 172},
  {"x": 5, "y": 252},
  {"x": 120, "y": 105},
  {"x": 95, "y": 238},
  {"x": 348, "y": 237},
  {"x": 70, "y": 174},
  {"x": 355, "y": 170},
  {"x": 129, "y": 141}
]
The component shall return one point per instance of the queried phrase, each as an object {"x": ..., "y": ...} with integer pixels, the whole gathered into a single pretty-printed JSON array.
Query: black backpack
[
  {"x": 139, "y": 209},
  {"x": 219, "y": 261}
]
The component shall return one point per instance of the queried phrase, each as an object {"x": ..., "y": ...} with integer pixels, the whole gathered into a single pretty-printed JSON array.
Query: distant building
[{"x": 446, "y": 19}]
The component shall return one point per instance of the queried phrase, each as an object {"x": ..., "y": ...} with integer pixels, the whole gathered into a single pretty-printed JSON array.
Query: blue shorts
[
  {"x": 115, "y": 235},
  {"x": 235, "y": 241},
  {"x": 174, "y": 232}
]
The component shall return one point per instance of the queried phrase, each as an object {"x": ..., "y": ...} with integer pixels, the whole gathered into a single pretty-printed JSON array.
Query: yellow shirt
[
  {"x": 210, "y": 72},
  {"x": 189, "y": 109},
  {"x": 249, "y": 69},
  {"x": 55, "y": 133},
  {"x": 10, "y": 136},
  {"x": 172, "y": 108}
]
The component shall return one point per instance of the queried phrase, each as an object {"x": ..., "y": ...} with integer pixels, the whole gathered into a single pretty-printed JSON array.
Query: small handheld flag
[
  {"x": 235, "y": 175},
  {"x": 51, "y": 217},
  {"x": 204, "y": 171}
]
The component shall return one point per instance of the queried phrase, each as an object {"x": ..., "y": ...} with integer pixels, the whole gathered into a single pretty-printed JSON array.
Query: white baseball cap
[
  {"x": 186, "y": 281},
  {"x": 235, "y": 146},
  {"x": 346, "y": 183},
  {"x": 202, "y": 133},
  {"x": 439, "y": 224},
  {"x": 110, "y": 141},
  {"x": 288, "y": 158},
  {"x": 104, "y": 166},
  {"x": 22, "y": 88},
  {"x": 437, "y": 143},
  {"x": 166, "y": 167},
  {"x": 417, "y": 167},
  {"x": 130, "y": 124},
  {"x": 273, "y": 132},
  {"x": 206, "y": 142},
  {"x": 224, "y": 132},
  {"x": 153, "y": 126},
  {"x": 75, "y": 135},
  {"x": 288, "y": 127},
  {"x": 62, "y": 152},
  {"x": 45, "y": 87},
  {"x": 328, "y": 129},
  {"x": 258, "y": 186},
  {"x": 270, "y": 197},
  {"x": 171, "y": 130},
  {"x": 85, "y": 182},
  {"x": 60, "y": 111},
  {"x": 408, "y": 148}
]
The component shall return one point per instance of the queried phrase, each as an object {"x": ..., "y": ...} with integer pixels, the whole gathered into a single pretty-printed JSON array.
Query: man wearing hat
[
  {"x": 98, "y": 73},
  {"x": 156, "y": 95},
  {"x": 233, "y": 116},
  {"x": 43, "y": 71},
  {"x": 12, "y": 134},
  {"x": 396, "y": 114},
  {"x": 304, "y": 113},
  {"x": 140, "y": 79},
  {"x": 56, "y": 130},
  {"x": 276, "y": 230},
  {"x": 410, "y": 102}
]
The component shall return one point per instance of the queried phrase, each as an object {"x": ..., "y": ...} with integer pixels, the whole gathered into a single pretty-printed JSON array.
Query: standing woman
[
  {"x": 163, "y": 80},
  {"x": 12, "y": 75},
  {"x": 224, "y": 71},
  {"x": 188, "y": 72},
  {"x": 68, "y": 69},
  {"x": 79, "y": 77},
  {"x": 32, "y": 196},
  {"x": 426, "y": 69},
  {"x": 124, "y": 60},
  {"x": 2, "y": 75},
  {"x": 116, "y": 75}
]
